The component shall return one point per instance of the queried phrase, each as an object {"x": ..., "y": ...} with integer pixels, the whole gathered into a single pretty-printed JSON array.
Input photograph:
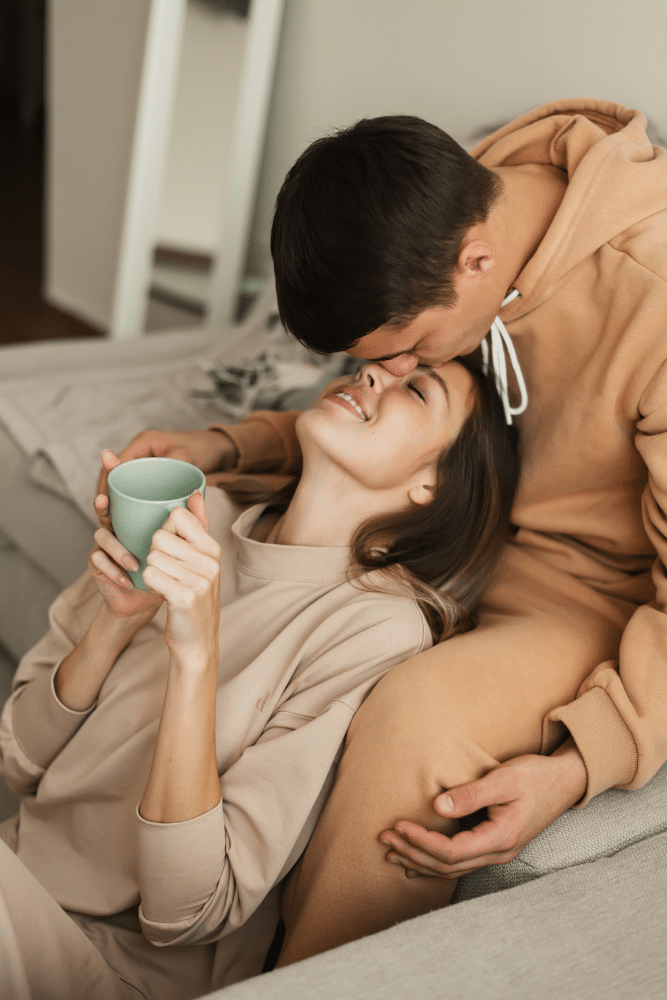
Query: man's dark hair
[{"x": 368, "y": 226}]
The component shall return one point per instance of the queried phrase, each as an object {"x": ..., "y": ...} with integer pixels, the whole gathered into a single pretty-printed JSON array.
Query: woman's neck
[{"x": 326, "y": 510}]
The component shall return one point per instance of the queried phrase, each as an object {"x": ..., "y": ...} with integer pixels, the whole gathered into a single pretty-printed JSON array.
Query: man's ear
[
  {"x": 421, "y": 494},
  {"x": 475, "y": 257}
]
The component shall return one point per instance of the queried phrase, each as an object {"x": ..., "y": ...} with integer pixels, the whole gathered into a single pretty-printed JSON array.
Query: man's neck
[{"x": 519, "y": 220}]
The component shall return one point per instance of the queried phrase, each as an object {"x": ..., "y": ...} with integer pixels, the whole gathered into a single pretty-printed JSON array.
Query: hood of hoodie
[{"x": 616, "y": 178}]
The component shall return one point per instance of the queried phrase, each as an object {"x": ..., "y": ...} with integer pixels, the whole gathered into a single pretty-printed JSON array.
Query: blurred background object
[{"x": 206, "y": 160}]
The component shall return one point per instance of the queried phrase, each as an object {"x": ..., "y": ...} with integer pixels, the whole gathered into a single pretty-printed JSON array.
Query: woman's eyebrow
[{"x": 432, "y": 373}]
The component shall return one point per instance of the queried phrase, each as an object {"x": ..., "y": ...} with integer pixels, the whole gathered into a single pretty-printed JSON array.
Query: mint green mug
[{"x": 142, "y": 493}]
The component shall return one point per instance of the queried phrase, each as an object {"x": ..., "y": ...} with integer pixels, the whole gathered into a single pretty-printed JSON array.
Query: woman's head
[
  {"x": 377, "y": 438},
  {"x": 436, "y": 443},
  {"x": 446, "y": 551}
]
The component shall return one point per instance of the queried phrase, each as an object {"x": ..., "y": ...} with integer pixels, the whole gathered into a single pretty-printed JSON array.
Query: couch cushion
[
  {"x": 609, "y": 823},
  {"x": 593, "y": 932}
]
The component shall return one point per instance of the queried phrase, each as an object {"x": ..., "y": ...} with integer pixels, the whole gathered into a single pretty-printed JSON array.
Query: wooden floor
[{"x": 24, "y": 316}]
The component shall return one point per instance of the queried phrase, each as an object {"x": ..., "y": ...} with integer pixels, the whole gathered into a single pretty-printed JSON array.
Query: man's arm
[
  {"x": 617, "y": 724},
  {"x": 265, "y": 442}
]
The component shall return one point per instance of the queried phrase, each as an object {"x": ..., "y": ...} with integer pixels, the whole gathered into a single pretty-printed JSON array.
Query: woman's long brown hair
[{"x": 443, "y": 554}]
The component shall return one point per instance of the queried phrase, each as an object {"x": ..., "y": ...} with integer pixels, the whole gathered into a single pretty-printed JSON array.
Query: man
[{"x": 390, "y": 242}]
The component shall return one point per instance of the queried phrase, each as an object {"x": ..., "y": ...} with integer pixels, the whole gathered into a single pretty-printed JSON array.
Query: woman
[{"x": 219, "y": 698}]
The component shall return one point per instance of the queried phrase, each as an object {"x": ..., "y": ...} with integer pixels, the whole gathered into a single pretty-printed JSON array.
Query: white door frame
[{"x": 149, "y": 149}]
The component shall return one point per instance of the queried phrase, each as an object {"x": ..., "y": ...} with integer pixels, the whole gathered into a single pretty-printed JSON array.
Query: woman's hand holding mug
[
  {"x": 183, "y": 567},
  {"x": 106, "y": 563},
  {"x": 210, "y": 451}
]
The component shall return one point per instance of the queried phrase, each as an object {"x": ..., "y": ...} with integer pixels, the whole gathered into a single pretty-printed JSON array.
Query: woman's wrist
[
  {"x": 196, "y": 662},
  {"x": 81, "y": 674}
]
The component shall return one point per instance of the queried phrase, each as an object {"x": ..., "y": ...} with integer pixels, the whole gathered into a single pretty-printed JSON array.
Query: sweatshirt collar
[{"x": 303, "y": 563}]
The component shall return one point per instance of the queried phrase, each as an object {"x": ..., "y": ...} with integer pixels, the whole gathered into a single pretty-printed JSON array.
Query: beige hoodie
[{"x": 590, "y": 331}]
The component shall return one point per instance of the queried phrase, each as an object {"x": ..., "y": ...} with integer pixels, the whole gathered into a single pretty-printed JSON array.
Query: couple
[
  {"x": 409, "y": 253},
  {"x": 175, "y": 746}
]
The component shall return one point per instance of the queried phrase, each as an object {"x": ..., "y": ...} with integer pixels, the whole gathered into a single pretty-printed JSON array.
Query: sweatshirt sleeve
[
  {"x": 619, "y": 718},
  {"x": 35, "y": 725},
  {"x": 203, "y": 878},
  {"x": 266, "y": 442}
]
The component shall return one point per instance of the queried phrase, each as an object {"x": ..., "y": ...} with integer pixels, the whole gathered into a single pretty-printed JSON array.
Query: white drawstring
[{"x": 500, "y": 339}]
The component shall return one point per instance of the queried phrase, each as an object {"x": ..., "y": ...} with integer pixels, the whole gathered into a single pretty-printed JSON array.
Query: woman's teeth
[{"x": 348, "y": 399}]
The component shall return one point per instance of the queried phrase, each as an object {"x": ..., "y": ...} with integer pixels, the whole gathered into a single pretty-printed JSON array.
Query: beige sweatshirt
[
  {"x": 590, "y": 331},
  {"x": 300, "y": 647}
]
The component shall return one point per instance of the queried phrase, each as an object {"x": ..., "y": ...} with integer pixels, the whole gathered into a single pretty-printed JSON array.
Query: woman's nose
[
  {"x": 400, "y": 366},
  {"x": 375, "y": 375}
]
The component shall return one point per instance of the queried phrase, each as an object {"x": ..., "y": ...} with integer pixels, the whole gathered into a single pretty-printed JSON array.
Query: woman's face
[{"x": 385, "y": 431}]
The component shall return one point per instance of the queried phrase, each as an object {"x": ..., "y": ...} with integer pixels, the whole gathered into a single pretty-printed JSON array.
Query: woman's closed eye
[{"x": 415, "y": 388}]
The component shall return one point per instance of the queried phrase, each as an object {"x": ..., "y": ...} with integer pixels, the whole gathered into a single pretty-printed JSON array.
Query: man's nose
[{"x": 402, "y": 365}]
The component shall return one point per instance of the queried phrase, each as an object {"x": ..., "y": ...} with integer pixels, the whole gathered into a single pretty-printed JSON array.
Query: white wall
[
  {"x": 458, "y": 65},
  {"x": 197, "y": 159},
  {"x": 90, "y": 127}
]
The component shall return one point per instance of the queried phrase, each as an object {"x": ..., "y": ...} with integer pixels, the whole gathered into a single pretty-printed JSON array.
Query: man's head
[{"x": 375, "y": 229}]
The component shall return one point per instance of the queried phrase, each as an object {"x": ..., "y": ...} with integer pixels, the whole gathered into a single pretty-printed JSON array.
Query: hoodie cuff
[
  {"x": 266, "y": 442},
  {"x": 180, "y": 865},
  {"x": 42, "y": 724},
  {"x": 603, "y": 740}
]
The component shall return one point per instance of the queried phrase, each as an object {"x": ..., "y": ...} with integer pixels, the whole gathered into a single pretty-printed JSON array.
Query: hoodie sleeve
[
  {"x": 266, "y": 442},
  {"x": 619, "y": 718}
]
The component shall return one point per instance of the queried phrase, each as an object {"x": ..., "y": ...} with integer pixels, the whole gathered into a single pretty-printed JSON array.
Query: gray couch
[{"x": 581, "y": 912}]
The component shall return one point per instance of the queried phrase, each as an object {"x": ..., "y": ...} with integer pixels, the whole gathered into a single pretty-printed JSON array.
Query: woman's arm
[
  {"x": 81, "y": 674},
  {"x": 184, "y": 782},
  {"x": 202, "y": 878},
  {"x": 183, "y": 566}
]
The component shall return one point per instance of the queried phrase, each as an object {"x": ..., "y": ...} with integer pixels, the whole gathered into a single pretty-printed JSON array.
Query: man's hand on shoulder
[{"x": 522, "y": 797}]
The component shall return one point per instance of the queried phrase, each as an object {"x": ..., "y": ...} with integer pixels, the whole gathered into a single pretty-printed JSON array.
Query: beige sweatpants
[
  {"x": 441, "y": 719},
  {"x": 47, "y": 953},
  {"x": 45, "y": 956}
]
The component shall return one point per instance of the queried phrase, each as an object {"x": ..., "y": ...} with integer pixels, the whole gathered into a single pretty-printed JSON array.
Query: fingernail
[
  {"x": 409, "y": 873},
  {"x": 127, "y": 583},
  {"x": 130, "y": 564},
  {"x": 446, "y": 802},
  {"x": 100, "y": 496}
]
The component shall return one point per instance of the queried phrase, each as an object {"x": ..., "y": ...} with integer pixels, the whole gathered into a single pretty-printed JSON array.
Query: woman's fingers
[
  {"x": 183, "y": 533},
  {"x": 101, "y": 501},
  {"x": 100, "y": 563},
  {"x": 195, "y": 573},
  {"x": 411, "y": 856},
  {"x": 190, "y": 525},
  {"x": 197, "y": 506},
  {"x": 115, "y": 549},
  {"x": 101, "y": 505}
]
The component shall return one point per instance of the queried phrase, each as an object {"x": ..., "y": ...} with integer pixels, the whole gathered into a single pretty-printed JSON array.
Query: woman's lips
[
  {"x": 353, "y": 402},
  {"x": 345, "y": 404}
]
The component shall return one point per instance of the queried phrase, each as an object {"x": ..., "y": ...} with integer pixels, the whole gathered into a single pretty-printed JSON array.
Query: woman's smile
[{"x": 352, "y": 399}]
